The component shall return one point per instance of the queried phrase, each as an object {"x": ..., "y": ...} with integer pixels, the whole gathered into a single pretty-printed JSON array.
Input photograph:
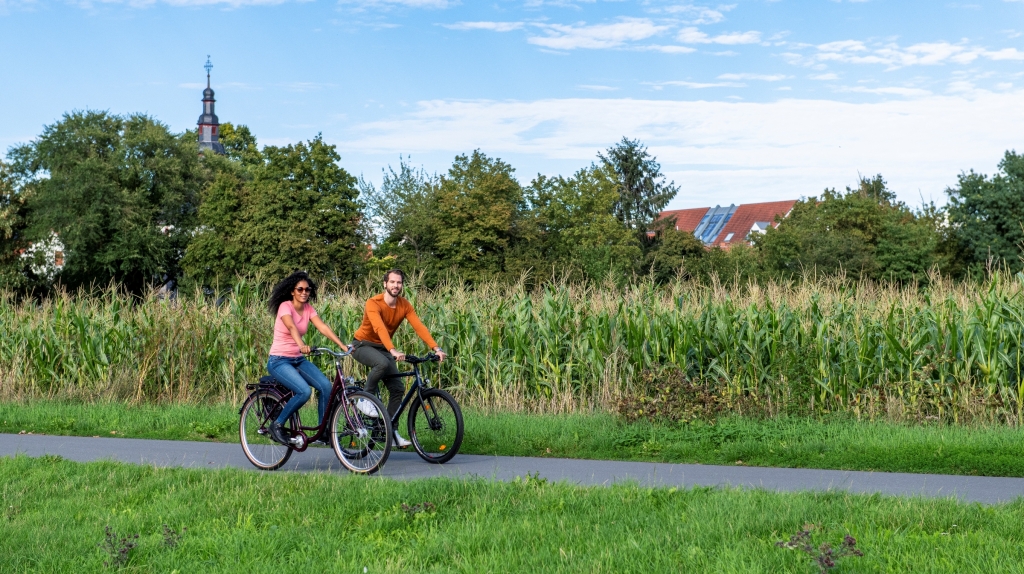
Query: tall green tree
[
  {"x": 643, "y": 192},
  {"x": 401, "y": 215},
  {"x": 673, "y": 253},
  {"x": 120, "y": 192},
  {"x": 483, "y": 227},
  {"x": 240, "y": 144},
  {"x": 987, "y": 215},
  {"x": 295, "y": 208},
  {"x": 864, "y": 232},
  {"x": 13, "y": 224},
  {"x": 580, "y": 230}
]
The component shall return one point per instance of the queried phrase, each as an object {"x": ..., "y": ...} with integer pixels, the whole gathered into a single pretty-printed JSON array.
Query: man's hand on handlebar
[
  {"x": 398, "y": 355},
  {"x": 441, "y": 355}
]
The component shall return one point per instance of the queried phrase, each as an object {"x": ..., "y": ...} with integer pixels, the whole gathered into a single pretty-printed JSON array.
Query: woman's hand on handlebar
[{"x": 305, "y": 350}]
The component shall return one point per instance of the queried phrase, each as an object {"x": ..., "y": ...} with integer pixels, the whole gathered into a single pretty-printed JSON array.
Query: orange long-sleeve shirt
[{"x": 381, "y": 321}]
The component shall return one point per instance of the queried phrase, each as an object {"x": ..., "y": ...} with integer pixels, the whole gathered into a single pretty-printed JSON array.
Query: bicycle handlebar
[
  {"x": 429, "y": 357},
  {"x": 326, "y": 351}
]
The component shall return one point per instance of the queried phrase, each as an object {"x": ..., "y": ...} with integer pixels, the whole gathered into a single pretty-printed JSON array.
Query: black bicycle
[
  {"x": 354, "y": 423},
  {"x": 435, "y": 419}
]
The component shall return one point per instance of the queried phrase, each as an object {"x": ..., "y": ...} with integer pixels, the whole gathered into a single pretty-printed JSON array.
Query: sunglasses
[{"x": 303, "y": 290}]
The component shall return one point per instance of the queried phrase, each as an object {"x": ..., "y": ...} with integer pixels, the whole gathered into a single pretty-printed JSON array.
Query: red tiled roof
[
  {"x": 746, "y": 215},
  {"x": 686, "y": 219}
]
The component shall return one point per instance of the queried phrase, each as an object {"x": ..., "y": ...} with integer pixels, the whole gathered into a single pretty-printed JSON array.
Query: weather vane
[{"x": 208, "y": 65}]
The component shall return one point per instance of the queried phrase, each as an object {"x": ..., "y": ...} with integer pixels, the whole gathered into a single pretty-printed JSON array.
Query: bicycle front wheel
[
  {"x": 435, "y": 426},
  {"x": 260, "y": 409},
  {"x": 361, "y": 433}
]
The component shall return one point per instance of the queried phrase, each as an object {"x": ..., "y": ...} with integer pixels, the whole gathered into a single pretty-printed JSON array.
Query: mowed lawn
[
  {"x": 55, "y": 513},
  {"x": 789, "y": 442}
]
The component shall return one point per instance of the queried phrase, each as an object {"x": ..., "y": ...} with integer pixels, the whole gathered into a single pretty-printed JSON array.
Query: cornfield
[{"x": 950, "y": 351}]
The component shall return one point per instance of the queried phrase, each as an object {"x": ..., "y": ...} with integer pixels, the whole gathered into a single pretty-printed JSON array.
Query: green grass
[
  {"x": 54, "y": 513},
  {"x": 787, "y": 442}
]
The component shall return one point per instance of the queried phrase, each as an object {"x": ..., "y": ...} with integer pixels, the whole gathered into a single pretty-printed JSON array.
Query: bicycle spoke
[
  {"x": 356, "y": 434},
  {"x": 435, "y": 426}
]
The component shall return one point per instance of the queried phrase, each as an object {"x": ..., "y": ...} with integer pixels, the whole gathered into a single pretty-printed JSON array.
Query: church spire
[{"x": 208, "y": 124}]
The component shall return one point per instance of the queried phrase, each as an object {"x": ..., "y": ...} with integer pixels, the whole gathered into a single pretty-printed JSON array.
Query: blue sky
[{"x": 748, "y": 101}]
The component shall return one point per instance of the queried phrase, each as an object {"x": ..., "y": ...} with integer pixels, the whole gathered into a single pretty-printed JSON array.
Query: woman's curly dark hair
[{"x": 283, "y": 291}]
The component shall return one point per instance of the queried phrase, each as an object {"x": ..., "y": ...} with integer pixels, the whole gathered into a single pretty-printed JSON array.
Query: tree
[
  {"x": 579, "y": 225},
  {"x": 12, "y": 232},
  {"x": 864, "y": 232},
  {"x": 400, "y": 216},
  {"x": 987, "y": 214},
  {"x": 119, "y": 192},
  {"x": 240, "y": 145},
  {"x": 643, "y": 192},
  {"x": 673, "y": 253},
  {"x": 295, "y": 208},
  {"x": 482, "y": 224}
]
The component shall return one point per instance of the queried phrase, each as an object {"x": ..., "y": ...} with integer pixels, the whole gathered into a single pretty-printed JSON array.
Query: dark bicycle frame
[
  {"x": 416, "y": 387},
  {"x": 339, "y": 392}
]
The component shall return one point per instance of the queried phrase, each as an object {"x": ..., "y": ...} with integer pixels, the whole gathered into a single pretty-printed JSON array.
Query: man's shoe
[
  {"x": 401, "y": 442},
  {"x": 277, "y": 432},
  {"x": 367, "y": 408}
]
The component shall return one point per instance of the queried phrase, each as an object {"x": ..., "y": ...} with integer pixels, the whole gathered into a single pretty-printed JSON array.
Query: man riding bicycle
[{"x": 373, "y": 347}]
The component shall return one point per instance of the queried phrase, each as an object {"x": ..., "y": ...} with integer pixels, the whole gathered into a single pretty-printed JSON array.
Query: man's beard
[{"x": 394, "y": 292}]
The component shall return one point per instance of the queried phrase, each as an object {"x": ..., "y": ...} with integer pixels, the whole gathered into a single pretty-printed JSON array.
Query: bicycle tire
[
  {"x": 260, "y": 409},
  {"x": 435, "y": 426},
  {"x": 361, "y": 442}
]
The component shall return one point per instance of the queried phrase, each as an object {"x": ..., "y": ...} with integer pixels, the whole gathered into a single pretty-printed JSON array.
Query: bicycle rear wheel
[
  {"x": 361, "y": 440},
  {"x": 261, "y": 408},
  {"x": 435, "y": 426}
]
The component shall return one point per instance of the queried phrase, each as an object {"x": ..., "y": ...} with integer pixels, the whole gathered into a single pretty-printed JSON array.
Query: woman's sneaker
[
  {"x": 401, "y": 442},
  {"x": 277, "y": 432},
  {"x": 367, "y": 408}
]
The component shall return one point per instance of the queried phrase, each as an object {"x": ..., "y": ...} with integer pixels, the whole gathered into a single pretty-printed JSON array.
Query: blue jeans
[{"x": 300, "y": 376}]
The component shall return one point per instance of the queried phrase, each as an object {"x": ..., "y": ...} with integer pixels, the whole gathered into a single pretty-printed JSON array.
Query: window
[{"x": 729, "y": 237}]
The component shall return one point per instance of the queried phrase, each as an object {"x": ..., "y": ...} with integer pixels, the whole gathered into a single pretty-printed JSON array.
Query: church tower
[{"x": 208, "y": 124}]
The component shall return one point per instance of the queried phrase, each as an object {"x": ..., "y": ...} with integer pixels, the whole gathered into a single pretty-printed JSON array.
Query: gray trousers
[{"x": 382, "y": 366}]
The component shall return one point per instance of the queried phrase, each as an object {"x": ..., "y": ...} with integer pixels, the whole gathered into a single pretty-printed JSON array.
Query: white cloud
[
  {"x": 1005, "y": 54},
  {"x": 894, "y": 56},
  {"x": 843, "y": 46},
  {"x": 597, "y": 87},
  {"x": 698, "y": 85},
  {"x": 492, "y": 26},
  {"x": 667, "y": 49},
  {"x": 887, "y": 91},
  {"x": 184, "y": 3},
  {"x": 761, "y": 77},
  {"x": 724, "y": 152},
  {"x": 407, "y": 3},
  {"x": 596, "y": 36},
  {"x": 824, "y": 77},
  {"x": 698, "y": 15},
  {"x": 691, "y": 35}
]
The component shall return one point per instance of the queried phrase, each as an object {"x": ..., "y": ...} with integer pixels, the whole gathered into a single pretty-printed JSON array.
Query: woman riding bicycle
[{"x": 290, "y": 302}]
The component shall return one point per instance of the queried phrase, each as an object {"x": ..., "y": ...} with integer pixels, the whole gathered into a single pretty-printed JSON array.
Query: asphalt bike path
[{"x": 408, "y": 465}]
